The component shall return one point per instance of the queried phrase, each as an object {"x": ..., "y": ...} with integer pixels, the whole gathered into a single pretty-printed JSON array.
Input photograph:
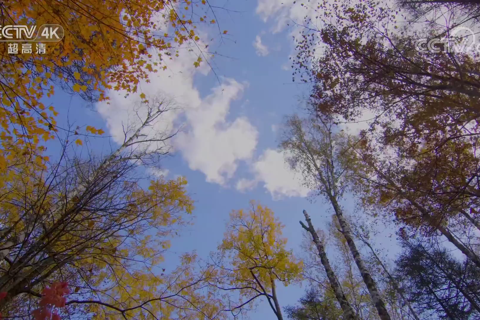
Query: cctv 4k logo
[{"x": 24, "y": 33}]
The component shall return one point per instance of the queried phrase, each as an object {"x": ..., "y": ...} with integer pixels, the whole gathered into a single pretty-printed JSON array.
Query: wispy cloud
[{"x": 260, "y": 48}]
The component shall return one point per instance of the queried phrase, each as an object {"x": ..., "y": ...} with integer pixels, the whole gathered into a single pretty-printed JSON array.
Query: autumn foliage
[
  {"x": 107, "y": 45},
  {"x": 53, "y": 296},
  {"x": 253, "y": 245},
  {"x": 88, "y": 234},
  {"x": 91, "y": 223}
]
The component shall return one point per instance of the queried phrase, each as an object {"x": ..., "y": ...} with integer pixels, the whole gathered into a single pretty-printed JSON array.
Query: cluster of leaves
[
  {"x": 53, "y": 296},
  {"x": 255, "y": 242},
  {"x": 107, "y": 45},
  {"x": 255, "y": 258}
]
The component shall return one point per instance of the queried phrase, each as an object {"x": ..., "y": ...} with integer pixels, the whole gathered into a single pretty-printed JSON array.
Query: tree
[
  {"x": 93, "y": 223},
  {"x": 417, "y": 161},
  {"x": 314, "y": 150},
  {"x": 351, "y": 279},
  {"x": 107, "y": 45},
  {"x": 314, "y": 306},
  {"x": 425, "y": 115},
  {"x": 346, "y": 278},
  {"x": 466, "y": 10},
  {"x": 435, "y": 281},
  {"x": 397, "y": 295},
  {"x": 348, "y": 311},
  {"x": 255, "y": 258}
]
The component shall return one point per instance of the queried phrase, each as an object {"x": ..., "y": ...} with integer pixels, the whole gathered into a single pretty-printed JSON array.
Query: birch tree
[
  {"x": 424, "y": 108},
  {"x": 316, "y": 151},
  {"x": 348, "y": 311}
]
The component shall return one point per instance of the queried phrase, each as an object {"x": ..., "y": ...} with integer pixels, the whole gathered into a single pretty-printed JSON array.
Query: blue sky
[{"x": 228, "y": 148}]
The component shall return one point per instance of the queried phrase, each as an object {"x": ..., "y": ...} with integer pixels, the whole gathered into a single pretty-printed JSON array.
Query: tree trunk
[
  {"x": 348, "y": 311},
  {"x": 367, "y": 278},
  {"x": 278, "y": 312},
  {"x": 472, "y": 256},
  {"x": 470, "y": 218},
  {"x": 327, "y": 178},
  {"x": 392, "y": 280}
]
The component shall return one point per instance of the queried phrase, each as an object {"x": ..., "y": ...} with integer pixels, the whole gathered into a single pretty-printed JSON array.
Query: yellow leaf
[
  {"x": 79, "y": 142},
  {"x": 225, "y": 31},
  {"x": 76, "y": 87},
  {"x": 91, "y": 129},
  {"x": 142, "y": 96},
  {"x": 77, "y": 75}
]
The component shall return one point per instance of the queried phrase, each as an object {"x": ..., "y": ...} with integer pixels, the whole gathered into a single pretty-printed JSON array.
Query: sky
[{"x": 230, "y": 114}]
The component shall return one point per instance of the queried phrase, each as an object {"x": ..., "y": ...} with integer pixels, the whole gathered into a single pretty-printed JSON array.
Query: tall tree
[
  {"x": 436, "y": 281},
  {"x": 93, "y": 223},
  {"x": 351, "y": 279},
  {"x": 316, "y": 151},
  {"x": 425, "y": 114},
  {"x": 397, "y": 293},
  {"x": 347, "y": 309},
  {"x": 314, "y": 306},
  {"x": 255, "y": 258}
]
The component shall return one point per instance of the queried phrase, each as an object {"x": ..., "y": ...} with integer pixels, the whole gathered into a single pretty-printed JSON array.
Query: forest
[{"x": 382, "y": 221}]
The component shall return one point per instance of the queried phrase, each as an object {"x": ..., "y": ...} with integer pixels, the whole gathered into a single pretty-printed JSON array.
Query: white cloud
[
  {"x": 210, "y": 143},
  {"x": 213, "y": 145},
  {"x": 284, "y": 11},
  {"x": 272, "y": 170},
  {"x": 245, "y": 184},
  {"x": 260, "y": 48},
  {"x": 159, "y": 172}
]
